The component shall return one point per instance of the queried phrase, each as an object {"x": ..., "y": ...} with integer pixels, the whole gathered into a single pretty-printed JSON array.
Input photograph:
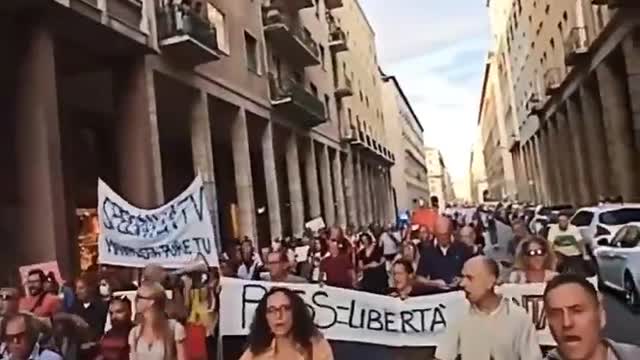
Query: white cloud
[{"x": 437, "y": 51}]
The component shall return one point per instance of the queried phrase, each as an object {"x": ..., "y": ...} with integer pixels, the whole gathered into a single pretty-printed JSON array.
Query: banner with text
[
  {"x": 172, "y": 235},
  {"x": 349, "y": 315}
]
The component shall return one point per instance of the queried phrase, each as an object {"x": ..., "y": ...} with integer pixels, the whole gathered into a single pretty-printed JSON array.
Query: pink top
[{"x": 46, "y": 307}]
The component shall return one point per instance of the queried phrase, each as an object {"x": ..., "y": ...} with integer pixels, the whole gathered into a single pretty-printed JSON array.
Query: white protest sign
[
  {"x": 349, "y": 315},
  {"x": 172, "y": 235},
  {"x": 316, "y": 224}
]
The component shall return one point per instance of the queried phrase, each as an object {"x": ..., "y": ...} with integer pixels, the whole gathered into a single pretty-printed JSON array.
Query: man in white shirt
[
  {"x": 567, "y": 242},
  {"x": 494, "y": 328}
]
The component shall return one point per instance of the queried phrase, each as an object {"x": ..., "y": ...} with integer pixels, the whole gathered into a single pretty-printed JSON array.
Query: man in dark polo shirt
[{"x": 440, "y": 266}]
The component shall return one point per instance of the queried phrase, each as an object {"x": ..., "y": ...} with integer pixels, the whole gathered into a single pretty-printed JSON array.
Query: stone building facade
[
  {"x": 147, "y": 94},
  {"x": 572, "y": 73}
]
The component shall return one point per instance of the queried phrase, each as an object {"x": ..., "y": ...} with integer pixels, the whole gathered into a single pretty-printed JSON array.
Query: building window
[
  {"x": 322, "y": 57},
  {"x": 251, "y": 47},
  {"x": 327, "y": 104},
  {"x": 314, "y": 89},
  {"x": 218, "y": 20},
  {"x": 553, "y": 43}
]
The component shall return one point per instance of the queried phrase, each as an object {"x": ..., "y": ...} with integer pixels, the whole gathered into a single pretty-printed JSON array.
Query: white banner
[
  {"x": 349, "y": 315},
  {"x": 172, "y": 235}
]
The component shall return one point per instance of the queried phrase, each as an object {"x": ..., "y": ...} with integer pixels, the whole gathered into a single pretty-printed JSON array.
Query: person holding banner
[
  {"x": 283, "y": 329},
  {"x": 475, "y": 337},
  {"x": 576, "y": 318},
  {"x": 39, "y": 302},
  {"x": 403, "y": 277}
]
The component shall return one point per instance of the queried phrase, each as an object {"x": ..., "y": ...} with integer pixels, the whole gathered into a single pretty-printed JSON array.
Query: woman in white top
[
  {"x": 156, "y": 337},
  {"x": 535, "y": 262}
]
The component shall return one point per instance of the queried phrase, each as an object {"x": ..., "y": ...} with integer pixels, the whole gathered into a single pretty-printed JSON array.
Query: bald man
[
  {"x": 440, "y": 266},
  {"x": 494, "y": 327}
]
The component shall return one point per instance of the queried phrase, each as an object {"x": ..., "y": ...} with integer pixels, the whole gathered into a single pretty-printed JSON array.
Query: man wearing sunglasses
[{"x": 21, "y": 336}]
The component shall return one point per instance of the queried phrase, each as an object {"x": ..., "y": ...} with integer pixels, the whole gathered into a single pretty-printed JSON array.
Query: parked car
[
  {"x": 598, "y": 224},
  {"x": 619, "y": 264}
]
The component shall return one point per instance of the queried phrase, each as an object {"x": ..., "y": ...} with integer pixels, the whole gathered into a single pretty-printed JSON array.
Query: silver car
[{"x": 619, "y": 264}]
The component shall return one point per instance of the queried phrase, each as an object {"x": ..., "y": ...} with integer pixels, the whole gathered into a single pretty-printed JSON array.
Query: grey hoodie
[{"x": 622, "y": 351}]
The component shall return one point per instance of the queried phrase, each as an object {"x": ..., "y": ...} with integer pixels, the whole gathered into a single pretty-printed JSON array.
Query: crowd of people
[{"x": 429, "y": 254}]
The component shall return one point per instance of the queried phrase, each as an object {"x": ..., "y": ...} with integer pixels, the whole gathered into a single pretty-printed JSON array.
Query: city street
[{"x": 622, "y": 324}]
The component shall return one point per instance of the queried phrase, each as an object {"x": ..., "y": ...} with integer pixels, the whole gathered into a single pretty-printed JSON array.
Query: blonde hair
[
  {"x": 163, "y": 327},
  {"x": 550, "y": 260}
]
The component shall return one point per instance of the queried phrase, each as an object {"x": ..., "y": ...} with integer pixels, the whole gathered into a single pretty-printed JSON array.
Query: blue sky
[{"x": 437, "y": 49}]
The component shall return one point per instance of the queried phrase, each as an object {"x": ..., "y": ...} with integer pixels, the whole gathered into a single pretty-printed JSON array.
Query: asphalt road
[{"x": 622, "y": 324}]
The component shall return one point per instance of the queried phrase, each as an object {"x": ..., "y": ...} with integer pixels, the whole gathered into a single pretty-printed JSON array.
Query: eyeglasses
[
  {"x": 536, "y": 252},
  {"x": 7, "y": 297},
  {"x": 272, "y": 310},
  {"x": 15, "y": 338},
  {"x": 141, "y": 297}
]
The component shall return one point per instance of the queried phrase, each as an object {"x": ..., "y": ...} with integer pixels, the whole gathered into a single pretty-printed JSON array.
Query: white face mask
[{"x": 105, "y": 290}]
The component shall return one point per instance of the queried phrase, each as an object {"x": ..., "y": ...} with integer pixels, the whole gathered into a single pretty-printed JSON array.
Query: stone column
[
  {"x": 327, "y": 187},
  {"x": 244, "y": 179},
  {"x": 360, "y": 194},
  {"x": 338, "y": 187},
  {"x": 373, "y": 184},
  {"x": 271, "y": 182},
  {"x": 534, "y": 171},
  {"x": 541, "y": 174},
  {"x": 392, "y": 199},
  {"x": 526, "y": 171},
  {"x": 631, "y": 51},
  {"x": 619, "y": 129},
  {"x": 548, "y": 165},
  {"x": 202, "y": 151},
  {"x": 578, "y": 148},
  {"x": 556, "y": 163},
  {"x": 567, "y": 168},
  {"x": 295, "y": 186},
  {"x": 43, "y": 216},
  {"x": 594, "y": 132},
  {"x": 311, "y": 172},
  {"x": 349, "y": 189},
  {"x": 367, "y": 193},
  {"x": 136, "y": 135}
]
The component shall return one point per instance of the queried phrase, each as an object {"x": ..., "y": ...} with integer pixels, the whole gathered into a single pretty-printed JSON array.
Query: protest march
[{"x": 433, "y": 288}]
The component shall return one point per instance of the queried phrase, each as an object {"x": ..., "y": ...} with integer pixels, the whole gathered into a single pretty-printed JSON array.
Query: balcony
[
  {"x": 576, "y": 46},
  {"x": 344, "y": 87},
  {"x": 186, "y": 37},
  {"x": 333, "y": 4},
  {"x": 617, "y": 4},
  {"x": 106, "y": 27},
  {"x": 349, "y": 134},
  {"x": 337, "y": 37},
  {"x": 358, "y": 140},
  {"x": 534, "y": 105},
  {"x": 289, "y": 38},
  {"x": 296, "y": 102},
  {"x": 294, "y": 5},
  {"x": 552, "y": 80}
]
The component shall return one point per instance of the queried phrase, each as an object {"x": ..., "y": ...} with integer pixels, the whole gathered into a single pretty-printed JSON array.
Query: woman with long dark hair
[
  {"x": 283, "y": 329},
  {"x": 372, "y": 265}
]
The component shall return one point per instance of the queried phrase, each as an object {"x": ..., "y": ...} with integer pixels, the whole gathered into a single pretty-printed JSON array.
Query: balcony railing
[
  {"x": 289, "y": 37},
  {"x": 296, "y": 101},
  {"x": 344, "y": 87},
  {"x": 185, "y": 35},
  {"x": 576, "y": 45},
  {"x": 552, "y": 80},
  {"x": 615, "y": 4},
  {"x": 111, "y": 27},
  {"x": 333, "y": 4},
  {"x": 337, "y": 37}
]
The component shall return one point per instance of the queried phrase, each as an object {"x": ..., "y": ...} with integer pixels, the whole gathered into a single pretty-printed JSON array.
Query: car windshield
[
  {"x": 546, "y": 211},
  {"x": 620, "y": 216}
]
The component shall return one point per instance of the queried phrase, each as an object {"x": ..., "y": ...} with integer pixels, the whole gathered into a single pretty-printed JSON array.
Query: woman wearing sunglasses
[
  {"x": 535, "y": 262},
  {"x": 156, "y": 337}
]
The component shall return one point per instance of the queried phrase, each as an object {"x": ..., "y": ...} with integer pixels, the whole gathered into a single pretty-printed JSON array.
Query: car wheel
[{"x": 631, "y": 293}]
